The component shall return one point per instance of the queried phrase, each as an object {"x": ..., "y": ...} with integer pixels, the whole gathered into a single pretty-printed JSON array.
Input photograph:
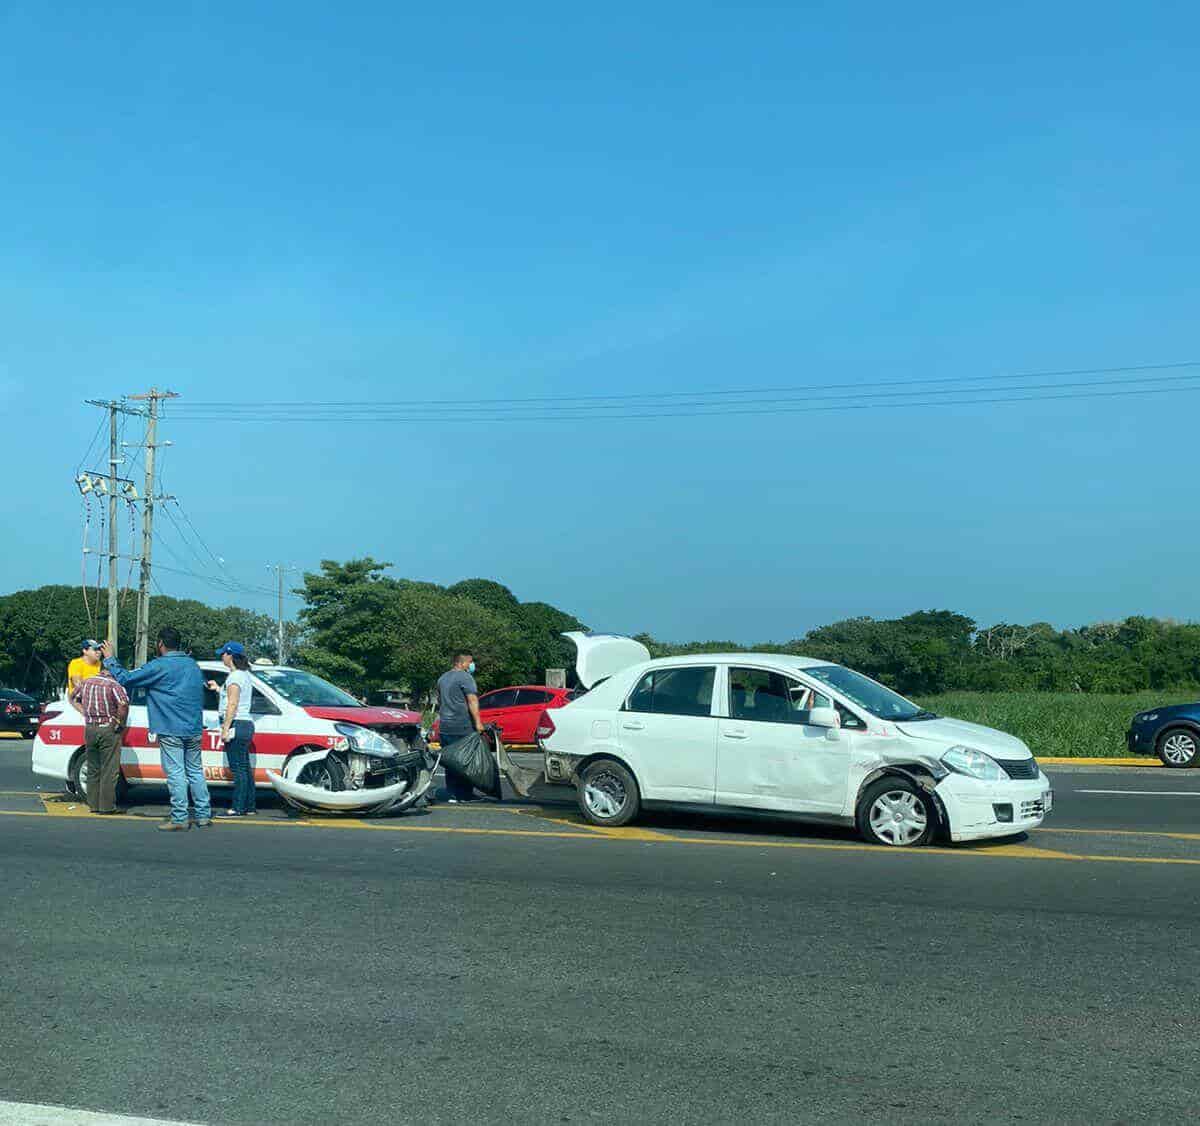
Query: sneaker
[
  {"x": 231, "y": 813},
  {"x": 204, "y": 823},
  {"x": 173, "y": 826},
  {"x": 452, "y": 801}
]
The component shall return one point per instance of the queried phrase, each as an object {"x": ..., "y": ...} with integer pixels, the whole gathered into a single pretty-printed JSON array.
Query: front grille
[
  {"x": 1033, "y": 808},
  {"x": 1023, "y": 768}
]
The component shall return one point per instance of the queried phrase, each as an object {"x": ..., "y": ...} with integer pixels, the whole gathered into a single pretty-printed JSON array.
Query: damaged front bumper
[
  {"x": 981, "y": 810},
  {"x": 315, "y": 797}
]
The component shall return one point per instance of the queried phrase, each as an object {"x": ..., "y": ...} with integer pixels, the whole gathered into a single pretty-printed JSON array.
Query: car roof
[
  {"x": 218, "y": 666},
  {"x": 532, "y": 687},
  {"x": 788, "y": 660}
]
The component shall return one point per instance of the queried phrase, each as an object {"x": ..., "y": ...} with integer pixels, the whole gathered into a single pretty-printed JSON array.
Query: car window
[
  {"x": 529, "y": 696},
  {"x": 675, "y": 691},
  {"x": 260, "y": 705},
  {"x": 212, "y": 700},
  {"x": 504, "y": 698},
  {"x": 771, "y": 697}
]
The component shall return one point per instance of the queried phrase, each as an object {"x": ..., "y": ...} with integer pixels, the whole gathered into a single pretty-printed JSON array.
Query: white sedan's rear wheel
[{"x": 608, "y": 793}]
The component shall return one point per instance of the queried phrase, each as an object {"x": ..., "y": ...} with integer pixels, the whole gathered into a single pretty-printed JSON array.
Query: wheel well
[
  {"x": 585, "y": 763},
  {"x": 1177, "y": 725},
  {"x": 915, "y": 772}
]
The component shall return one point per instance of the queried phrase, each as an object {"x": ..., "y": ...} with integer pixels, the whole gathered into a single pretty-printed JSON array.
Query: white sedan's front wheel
[{"x": 897, "y": 813}]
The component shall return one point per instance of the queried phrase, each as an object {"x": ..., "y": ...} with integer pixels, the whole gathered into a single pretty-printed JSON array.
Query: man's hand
[
  {"x": 212, "y": 686},
  {"x": 106, "y": 649}
]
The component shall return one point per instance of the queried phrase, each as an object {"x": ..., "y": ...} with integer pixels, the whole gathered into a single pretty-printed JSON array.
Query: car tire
[
  {"x": 78, "y": 782},
  {"x": 897, "y": 813},
  {"x": 1178, "y": 748},
  {"x": 608, "y": 794}
]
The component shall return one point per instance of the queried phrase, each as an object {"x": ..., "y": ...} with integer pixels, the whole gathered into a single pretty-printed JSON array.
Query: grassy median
[{"x": 1056, "y": 723}]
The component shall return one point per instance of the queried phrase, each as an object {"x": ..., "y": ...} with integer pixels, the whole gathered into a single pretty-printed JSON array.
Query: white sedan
[{"x": 727, "y": 732}]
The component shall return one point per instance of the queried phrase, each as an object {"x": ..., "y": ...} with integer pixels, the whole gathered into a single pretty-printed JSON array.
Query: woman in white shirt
[{"x": 237, "y": 729}]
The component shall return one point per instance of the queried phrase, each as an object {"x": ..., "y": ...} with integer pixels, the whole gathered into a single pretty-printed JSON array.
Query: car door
[
  {"x": 523, "y": 718},
  {"x": 496, "y": 707},
  {"x": 667, "y": 731},
  {"x": 216, "y": 768},
  {"x": 768, "y": 757},
  {"x": 140, "y": 757}
]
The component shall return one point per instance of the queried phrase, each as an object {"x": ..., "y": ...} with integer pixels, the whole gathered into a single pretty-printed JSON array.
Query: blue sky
[{"x": 274, "y": 202}]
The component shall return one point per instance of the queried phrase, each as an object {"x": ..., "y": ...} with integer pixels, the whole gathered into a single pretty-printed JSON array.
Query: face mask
[{"x": 471, "y": 668}]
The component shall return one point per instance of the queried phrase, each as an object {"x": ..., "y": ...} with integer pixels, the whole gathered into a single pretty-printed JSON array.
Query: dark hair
[
  {"x": 168, "y": 638},
  {"x": 239, "y": 661},
  {"x": 459, "y": 654}
]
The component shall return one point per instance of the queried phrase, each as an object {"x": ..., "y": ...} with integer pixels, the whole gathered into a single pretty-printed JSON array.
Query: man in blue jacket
[{"x": 175, "y": 702}]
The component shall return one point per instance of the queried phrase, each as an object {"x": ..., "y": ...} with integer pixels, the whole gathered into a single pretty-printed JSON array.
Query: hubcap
[
  {"x": 605, "y": 795},
  {"x": 1179, "y": 749},
  {"x": 898, "y": 817}
]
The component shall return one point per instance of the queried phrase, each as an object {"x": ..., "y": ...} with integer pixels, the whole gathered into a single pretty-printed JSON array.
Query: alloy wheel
[
  {"x": 898, "y": 817},
  {"x": 1179, "y": 748}
]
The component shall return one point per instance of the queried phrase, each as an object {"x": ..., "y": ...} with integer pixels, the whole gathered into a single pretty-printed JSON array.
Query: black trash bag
[{"x": 472, "y": 757}]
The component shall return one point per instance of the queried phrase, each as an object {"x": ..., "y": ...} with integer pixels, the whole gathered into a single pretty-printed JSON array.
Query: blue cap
[
  {"x": 236, "y": 648},
  {"x": 89, "y": 643}
]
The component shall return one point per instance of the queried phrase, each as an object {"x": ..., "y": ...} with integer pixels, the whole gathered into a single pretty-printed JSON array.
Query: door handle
[
  {"x": 634, "y": 725},
  {"x": 735, "y": 734}
]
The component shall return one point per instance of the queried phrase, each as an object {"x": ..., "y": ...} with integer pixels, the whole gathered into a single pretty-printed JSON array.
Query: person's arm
[
  {"x": 473, "y": 708},
  {"x": 150, "y": 673},
  {"x": 232, "y": 691},
  {"x": 122, "y": 718}
]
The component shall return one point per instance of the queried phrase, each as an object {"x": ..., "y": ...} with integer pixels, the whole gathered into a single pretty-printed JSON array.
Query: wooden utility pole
[
  {"x": 142, "y": 644},
  {"x": 114, "y": 456}
]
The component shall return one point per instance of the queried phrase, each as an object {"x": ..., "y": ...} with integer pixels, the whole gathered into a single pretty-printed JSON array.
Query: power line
[
  {"x": 515, "y": 403},
  {"x": 724, "y": 410}
]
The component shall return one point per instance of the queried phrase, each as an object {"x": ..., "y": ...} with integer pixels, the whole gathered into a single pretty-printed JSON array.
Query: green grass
[{"x": 1056, "y": 723}]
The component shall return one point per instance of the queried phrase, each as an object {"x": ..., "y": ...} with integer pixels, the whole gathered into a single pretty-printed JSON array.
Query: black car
[
  {"x": 19, "y": 713},
  {"x": 1172, "y": 733}
]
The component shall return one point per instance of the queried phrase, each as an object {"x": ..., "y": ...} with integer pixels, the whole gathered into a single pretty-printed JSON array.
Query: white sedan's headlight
[{"x": 974, "y": 764}]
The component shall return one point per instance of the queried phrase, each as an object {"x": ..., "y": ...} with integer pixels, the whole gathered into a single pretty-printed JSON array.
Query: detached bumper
[{"x": 982, "y": 810}]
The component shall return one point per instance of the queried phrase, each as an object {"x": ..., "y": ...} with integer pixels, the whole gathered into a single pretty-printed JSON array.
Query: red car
[{"x": 516, "y": 710}]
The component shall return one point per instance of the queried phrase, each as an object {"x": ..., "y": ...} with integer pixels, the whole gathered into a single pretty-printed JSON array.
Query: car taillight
[
  {"x": 47, "y": 716},
  {"x": 545, "y": 727}
]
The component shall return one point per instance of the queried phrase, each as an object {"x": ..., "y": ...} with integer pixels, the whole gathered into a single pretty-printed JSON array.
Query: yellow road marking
[
  {"x": 1011, "y": 852},
  {"x": 21, "y": 794},
  {"x": 57, "y": 806},
  {"x": 1122, "y": 833},
  {"x": 624, "y": 833},
  {"x": 1099, "y": 760}
]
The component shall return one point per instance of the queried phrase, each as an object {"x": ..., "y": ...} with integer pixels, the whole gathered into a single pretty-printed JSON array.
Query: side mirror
[
  {"x": 824, "y": 717},
  {"x": 829, "y": 719}
]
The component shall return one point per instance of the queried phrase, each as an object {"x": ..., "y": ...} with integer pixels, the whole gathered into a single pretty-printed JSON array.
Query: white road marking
[
  {"x": 36, "y": 1114},
  {"x": 1150, "y": 793}
]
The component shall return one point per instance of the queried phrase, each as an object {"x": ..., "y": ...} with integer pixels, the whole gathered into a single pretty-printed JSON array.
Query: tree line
[{"x": 367, "y": 630}]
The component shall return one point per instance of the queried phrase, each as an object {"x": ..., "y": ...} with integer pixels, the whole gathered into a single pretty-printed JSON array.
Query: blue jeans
[
  {"x": 181, "y": 763},
  {"x": 237, "y": 754}
]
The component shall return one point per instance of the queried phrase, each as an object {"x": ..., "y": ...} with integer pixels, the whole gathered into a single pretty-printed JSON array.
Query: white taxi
[
  {"x": 727, "y": 732},
  {"x": 299, "y": 721}
]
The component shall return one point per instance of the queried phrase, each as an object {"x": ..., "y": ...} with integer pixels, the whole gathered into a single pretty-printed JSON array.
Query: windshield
[
  {"x": 879, "y": 701},
  {"x": 306, "y": 690}
]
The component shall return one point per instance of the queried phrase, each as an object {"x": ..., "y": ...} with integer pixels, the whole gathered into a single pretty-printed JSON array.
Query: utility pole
[
  {"x": 114, "y": 408},
  {"x": 114, "y": 609},
  {"x": 154, "y": 396},
  {"x": 280, "y": 570}
]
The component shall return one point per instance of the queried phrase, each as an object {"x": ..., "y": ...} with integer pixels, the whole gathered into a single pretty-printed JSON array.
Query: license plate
[{"x": 1048, "y": 801}]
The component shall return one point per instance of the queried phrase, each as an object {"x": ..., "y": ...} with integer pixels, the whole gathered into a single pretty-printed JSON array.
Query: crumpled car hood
[{"x": 950, "y": 732}]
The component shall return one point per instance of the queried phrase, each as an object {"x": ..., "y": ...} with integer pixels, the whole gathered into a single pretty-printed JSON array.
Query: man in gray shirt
[{"x": 458, "y": 716}]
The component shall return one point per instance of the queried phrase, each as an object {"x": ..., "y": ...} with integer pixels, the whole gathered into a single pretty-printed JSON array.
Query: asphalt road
[{"x": 506, "y": 963}]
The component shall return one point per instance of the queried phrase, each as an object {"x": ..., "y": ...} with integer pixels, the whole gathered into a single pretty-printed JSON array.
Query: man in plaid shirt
[{"x": 105, "y": 707}]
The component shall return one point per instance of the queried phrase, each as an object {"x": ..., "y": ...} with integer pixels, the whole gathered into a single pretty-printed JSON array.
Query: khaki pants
[{"x": 103, "y": 750}]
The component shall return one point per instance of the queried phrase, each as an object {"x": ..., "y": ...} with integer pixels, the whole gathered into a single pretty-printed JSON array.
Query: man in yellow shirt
[{"x": 82, "y": 667}]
